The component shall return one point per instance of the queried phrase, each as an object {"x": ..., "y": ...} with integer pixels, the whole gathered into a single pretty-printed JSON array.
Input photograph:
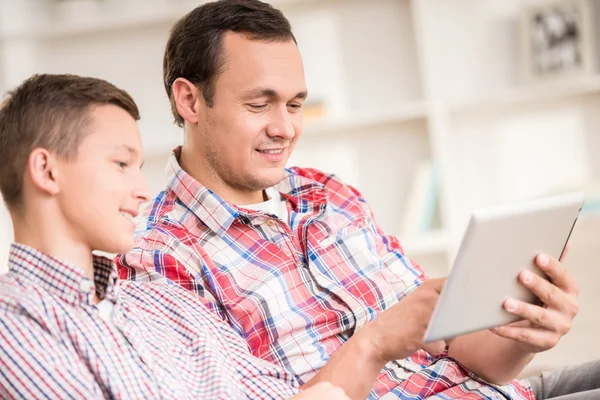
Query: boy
[{"x": 70, "y": 160}]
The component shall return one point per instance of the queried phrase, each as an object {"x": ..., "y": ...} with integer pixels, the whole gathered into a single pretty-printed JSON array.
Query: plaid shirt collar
[
  {"x": 305, "y": 195},
  {"x": 61, "y": 278}
]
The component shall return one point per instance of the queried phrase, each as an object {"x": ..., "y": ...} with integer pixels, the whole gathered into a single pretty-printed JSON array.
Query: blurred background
[{"x": 430, "y": 107}]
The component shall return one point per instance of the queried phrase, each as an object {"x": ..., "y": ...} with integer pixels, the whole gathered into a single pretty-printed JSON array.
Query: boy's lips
[
  {"x": 129, "y": 215},
  {"x": 132, "y": 213}
]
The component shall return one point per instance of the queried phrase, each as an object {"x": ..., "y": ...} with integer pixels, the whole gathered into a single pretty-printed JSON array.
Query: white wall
[{"x": 5, "y": 236}]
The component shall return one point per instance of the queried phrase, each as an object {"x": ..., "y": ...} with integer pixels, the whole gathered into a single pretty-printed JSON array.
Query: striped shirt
[
  {"x": 160, "y": 341},
  {"x": 296, "y": 291}
]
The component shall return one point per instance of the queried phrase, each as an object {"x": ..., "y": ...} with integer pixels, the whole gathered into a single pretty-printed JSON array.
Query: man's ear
[
  {"x": 43, "y": 171},
  {"x": 188, "y": 99}
]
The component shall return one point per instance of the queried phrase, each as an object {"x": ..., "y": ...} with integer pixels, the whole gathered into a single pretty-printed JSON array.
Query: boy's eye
[{"x": 121, "y": 164}]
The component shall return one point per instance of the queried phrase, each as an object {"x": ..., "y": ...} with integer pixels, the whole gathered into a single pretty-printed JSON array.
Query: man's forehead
[
  {"x": 247, "y": 55},
  {"x": 254, "y": 68}
]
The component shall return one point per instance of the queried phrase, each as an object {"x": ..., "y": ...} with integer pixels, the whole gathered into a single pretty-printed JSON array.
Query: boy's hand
[{"x": 543, "y": 326}]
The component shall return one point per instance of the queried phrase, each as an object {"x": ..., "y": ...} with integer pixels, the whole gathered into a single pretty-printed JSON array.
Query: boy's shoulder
[{"x": 17, "y": 298}]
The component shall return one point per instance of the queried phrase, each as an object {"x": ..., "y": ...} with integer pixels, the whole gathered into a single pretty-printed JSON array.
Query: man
[
  {"x": 293, "y": 259},
  {"x": 70, "y": 158}
]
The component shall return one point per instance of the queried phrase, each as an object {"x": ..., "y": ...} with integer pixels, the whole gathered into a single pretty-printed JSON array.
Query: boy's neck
[{"x": 52, "y": 238}]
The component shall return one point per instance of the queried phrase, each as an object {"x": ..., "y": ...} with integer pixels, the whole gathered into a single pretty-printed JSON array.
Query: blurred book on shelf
[
  {"x": 313, "y": 111},
  {"x": 422, "y": 206}
]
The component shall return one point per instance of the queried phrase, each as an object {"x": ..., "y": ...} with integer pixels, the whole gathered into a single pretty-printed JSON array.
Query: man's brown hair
[
  {"x": 194, "y": 50},
  {"x": 51, "y": 112}
]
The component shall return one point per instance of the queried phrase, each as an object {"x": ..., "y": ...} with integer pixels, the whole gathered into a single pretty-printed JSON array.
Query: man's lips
[
  {"x": 272, "y": 151},
  {"x": 273, "y": 154}
]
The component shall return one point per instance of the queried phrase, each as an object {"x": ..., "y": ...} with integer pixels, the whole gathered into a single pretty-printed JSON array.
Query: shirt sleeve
[
  {"x": 35, "y": 365},
  {"x": 147, "y": 263}
]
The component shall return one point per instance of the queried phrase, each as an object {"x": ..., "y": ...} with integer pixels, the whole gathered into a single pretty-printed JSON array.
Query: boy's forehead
[{"x": 112, "y": 127}]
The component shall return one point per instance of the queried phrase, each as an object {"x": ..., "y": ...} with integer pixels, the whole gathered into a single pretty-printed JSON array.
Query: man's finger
[
  {"x": 558, "y": 274},
  {"x": 543, "y": 317},
  {"x": 551, "y": 295},
  {"x": 538, "y": 338}
]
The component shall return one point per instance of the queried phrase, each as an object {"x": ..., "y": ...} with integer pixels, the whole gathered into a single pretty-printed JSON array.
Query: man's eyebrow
[
  {"x": 265, "y": 92},
  {"x": 301, "y": 95}
]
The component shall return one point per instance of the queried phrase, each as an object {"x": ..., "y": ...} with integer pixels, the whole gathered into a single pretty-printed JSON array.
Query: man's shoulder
[
  {"x": 159, "y": 208},
  {"x": 161, "y": 218}
]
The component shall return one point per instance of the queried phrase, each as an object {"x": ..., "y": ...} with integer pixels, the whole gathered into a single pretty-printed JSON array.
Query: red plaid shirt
[
  {"x": 160, "y": 342},
  {"x": 296, "y": 292}
]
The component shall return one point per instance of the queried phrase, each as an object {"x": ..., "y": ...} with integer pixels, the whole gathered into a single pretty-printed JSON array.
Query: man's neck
[
  {"x": 203, "y": 174},
  {"x": 51, "y": 237}
]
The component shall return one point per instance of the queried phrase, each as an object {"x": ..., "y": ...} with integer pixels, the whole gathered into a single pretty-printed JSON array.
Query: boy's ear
[
  {"x": 43, "y": 170},
  {"x": 188, "y": 99}
]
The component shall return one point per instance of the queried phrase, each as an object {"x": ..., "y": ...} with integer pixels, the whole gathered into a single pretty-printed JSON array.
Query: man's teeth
[{"x": 271, "y": 151}]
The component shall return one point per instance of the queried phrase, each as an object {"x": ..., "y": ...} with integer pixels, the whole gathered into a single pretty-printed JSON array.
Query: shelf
[
  {"x": 538, "y": 92},
  {"x": 434, "y": 242},
  {"x": 408, "y": 112},
  {"x": 107, "y": 16},
  {"x": 115, "y": 15}
]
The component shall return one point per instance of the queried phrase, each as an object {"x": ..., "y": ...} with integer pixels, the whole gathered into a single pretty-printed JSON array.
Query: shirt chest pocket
[
  {"x": 348, "y": 257},
  {"x": 357, "y": 259}
]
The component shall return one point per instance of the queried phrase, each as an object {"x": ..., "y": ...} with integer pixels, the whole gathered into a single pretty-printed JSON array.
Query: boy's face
[{"x": 102, "y": 188}]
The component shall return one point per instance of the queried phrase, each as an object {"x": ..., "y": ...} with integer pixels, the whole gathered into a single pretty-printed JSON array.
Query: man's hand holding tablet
[
  {"x": 507, "y": 269},
  {"x": 543, "y": 326}
]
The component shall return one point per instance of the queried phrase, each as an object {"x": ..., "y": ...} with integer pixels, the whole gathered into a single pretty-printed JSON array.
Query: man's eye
[
  {"x": 121, "y": 164},
  {"x": 257, "y": 106}
]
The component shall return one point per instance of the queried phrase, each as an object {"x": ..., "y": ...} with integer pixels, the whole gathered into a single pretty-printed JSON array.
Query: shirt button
[{"x": 270, "y": 222}]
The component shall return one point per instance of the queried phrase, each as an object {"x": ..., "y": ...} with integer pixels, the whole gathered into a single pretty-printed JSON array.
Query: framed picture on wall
[{"x": 557, "y": 39}]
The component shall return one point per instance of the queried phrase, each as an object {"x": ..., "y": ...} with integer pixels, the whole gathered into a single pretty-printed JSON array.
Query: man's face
[
  {"x": 102, "y": 189},
  {"x": 256, "y": 120}
]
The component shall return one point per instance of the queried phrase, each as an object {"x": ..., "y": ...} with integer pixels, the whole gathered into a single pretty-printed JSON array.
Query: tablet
[{"x": 498, "y": 244}]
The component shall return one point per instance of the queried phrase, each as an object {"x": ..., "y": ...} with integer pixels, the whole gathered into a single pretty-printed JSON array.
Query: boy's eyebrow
[
  {"x": 131, "y": 150},
  {"x": 128, "y": 148},
  {"x": 266, "y": 92}
]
